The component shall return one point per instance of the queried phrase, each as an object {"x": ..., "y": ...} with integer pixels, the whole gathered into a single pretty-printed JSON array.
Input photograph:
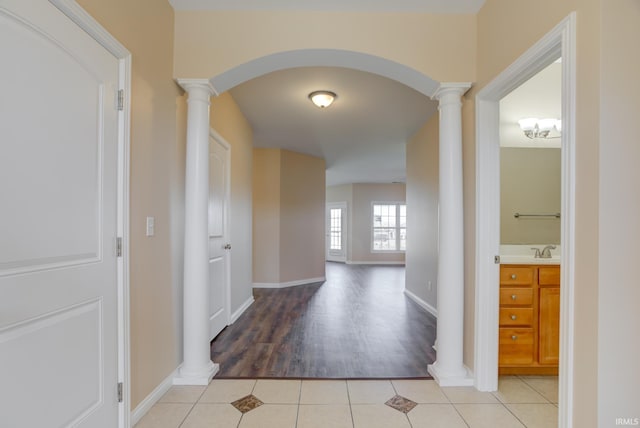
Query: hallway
[{"x": 357, "y": 324}]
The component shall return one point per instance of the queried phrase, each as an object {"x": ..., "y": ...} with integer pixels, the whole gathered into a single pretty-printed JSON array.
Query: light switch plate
[{"x": 151, "y": 226}]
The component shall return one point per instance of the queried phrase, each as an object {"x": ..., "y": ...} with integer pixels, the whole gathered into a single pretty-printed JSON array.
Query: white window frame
[{"x": 397, "y": 227}]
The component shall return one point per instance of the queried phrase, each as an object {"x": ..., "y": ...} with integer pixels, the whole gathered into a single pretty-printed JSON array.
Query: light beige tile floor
[{"x": 521, "y": 401}]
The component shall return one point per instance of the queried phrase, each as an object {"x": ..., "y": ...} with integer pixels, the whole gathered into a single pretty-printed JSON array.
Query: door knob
[{"x": 227, "y": 247}]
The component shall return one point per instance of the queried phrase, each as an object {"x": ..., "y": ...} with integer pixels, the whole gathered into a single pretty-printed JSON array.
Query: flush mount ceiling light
[
  {"x": 540, "y": 128},
  {"x": 322, "y": 99}
]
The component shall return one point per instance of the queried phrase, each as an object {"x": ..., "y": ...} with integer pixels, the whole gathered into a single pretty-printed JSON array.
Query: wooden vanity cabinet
[{"x": 529, "y": 319}]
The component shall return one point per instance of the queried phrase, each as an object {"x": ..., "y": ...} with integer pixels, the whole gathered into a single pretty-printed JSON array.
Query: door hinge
[
  {"x": 121, "y": 99},
  {"x": 118, "y": 247},
  {"x": 120, "y": 398},
  {"x": 496, "y": 259}
]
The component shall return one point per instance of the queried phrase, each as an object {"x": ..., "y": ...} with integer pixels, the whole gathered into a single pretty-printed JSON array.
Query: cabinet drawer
[
  {"x": 516, "y": 275},
  {"x": 516, "y": 346},
  {"x": 516, "y": 316},
  {"x": 516, "y": 296},
  {"x": 549, "y": 275}
]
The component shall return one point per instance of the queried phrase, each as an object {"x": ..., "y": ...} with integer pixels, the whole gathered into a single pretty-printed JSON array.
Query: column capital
[
  {"x": 456, "y": 88},
  {"x": 194, "y": 84}
]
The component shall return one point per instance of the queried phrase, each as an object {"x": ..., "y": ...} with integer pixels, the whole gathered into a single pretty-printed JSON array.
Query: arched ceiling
[{"x": 362, "y": 136}]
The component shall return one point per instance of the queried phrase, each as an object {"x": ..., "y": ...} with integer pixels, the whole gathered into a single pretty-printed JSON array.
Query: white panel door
[
  {"x": 58, "y": 196},
  {"x": 219, "y": 246},
  {"x": 336, "y": 236}
]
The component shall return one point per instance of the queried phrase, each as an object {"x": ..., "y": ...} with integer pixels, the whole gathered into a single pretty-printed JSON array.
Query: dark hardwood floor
[{"x": 357, "y": 324}]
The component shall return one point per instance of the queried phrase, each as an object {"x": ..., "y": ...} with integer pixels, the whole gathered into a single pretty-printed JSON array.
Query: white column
[
  {"x": 197, "y": 367},
  {"x": 449, "y": 370}
]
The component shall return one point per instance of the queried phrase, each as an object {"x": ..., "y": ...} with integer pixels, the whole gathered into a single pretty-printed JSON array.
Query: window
[
  {"x": 336, "y": 229},
  {"x": 389, "y": 227}
]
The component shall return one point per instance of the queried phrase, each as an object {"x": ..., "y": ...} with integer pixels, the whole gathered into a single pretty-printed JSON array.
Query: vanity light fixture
[
  {"x": 322, "y": 99},
  {"x": 539, "y": 128}
]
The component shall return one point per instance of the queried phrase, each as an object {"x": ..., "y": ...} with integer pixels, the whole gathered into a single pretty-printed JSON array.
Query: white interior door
[
  {"x": 336, "y": 232},
  {"x": 58, "y": 177},
  {"x": 219, "y": 244}
]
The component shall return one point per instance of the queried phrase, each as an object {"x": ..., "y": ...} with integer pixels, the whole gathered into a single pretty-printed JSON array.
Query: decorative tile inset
[
  {"x": 247, "y": 404},
  {"x": 401, "y": 404}
]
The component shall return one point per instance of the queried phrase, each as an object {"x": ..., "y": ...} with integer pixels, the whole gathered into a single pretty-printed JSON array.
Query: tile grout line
[
  {"x": 514, "y": 415},
  {"x": 193, "y": 405},
  {"x": 298, "y": 406},
  {"x": 253, "y": 388},
  {"x": 452, "y": 404},
  {"x": 537, "y": 390},
  {"x": 353, "y": 423},
  {"x": 460, "y": 414}
]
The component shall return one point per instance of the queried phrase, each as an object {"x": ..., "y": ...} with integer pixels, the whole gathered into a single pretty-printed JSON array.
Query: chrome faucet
[
  {"x": 537, "y": 255},
  {"x": 546, "y": 252}
]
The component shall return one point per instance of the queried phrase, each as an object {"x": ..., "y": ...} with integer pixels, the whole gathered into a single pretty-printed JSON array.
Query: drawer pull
[
  {"x": 514, "y": 297},
  {"x": 513, "y": 317},
  {"x": 514, "y": 337},
  {"x": 513, "y": 276}
]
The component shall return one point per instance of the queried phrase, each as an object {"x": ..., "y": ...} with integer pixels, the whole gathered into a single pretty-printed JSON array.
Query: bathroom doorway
[
  {"x": 530, "y": 215},
  {"x": 559, "y": 42}
]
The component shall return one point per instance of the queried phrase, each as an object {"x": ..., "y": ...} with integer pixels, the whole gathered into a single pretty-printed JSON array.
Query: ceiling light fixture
[
  {"x": 539, "y": 128},
  {"x": 322, "y": 99}
]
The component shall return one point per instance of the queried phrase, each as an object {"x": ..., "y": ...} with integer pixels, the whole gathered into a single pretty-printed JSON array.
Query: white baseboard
[
  {"x": 424, "y": 305},
  {"x": 241, "y": 309},
  {"x": 151, "y": 399},
  {"x": 289, "y": 284},
  {"x": 352, "y": 262}
]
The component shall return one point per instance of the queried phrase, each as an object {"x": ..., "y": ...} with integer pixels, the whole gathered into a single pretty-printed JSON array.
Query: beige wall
[
  {"x": 228, "y": 121},
  {"x": 288, "y": 216},
  {"x": 503, "y": 35},
  {"x": 203, "y": 49},
  {"x": 266, "y": 215},
  {"x": 619, "y": 206},
  {"x": 529, "y": 184},
  {"x": 302, "y": 205},
  {"x": 157, "y": 188},
  {"x": 422, "y": 203}
]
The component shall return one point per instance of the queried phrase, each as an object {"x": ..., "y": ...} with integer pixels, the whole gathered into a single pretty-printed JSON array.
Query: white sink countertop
[{"x": 523, "y": 254}]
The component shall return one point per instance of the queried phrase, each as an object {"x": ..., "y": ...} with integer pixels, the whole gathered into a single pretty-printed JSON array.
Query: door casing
[
  {"x": 345, "y": 221},
  {"x": 559, "y": 42}
]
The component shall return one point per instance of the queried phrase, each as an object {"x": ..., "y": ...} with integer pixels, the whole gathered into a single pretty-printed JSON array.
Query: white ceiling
[
  {"x": 362, "y": 136},
  {"x": 424, "y": 6},
  {"x": 538, "y": 97}
]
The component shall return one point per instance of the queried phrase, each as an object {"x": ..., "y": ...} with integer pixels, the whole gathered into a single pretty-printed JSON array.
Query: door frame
[
  {"x": 559, "y": 42},
  {"x": 227, "y": 222},
  {"x": 85, "y": 21},
  {"x": 345, "y": 229}
]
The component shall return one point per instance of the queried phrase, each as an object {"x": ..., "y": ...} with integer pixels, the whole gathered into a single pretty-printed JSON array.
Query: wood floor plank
[{"x": 357, "y": 324}]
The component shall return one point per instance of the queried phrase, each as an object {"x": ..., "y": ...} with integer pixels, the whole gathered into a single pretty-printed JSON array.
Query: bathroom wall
[{"x": 529, "y": 184}]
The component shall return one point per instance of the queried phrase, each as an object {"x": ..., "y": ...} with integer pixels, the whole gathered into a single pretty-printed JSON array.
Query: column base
[
  {"x": 201, "y": 378},
  {"x": 460, "y": 378}
]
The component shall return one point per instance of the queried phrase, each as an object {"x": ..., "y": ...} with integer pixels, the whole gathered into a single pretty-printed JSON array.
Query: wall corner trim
[
  {"x": 354, "y": 262},
  {"x": 145, "y": 405},
  {"x": 424, "y": 305},
  {"x": 308, "y": 281},
  {"x": 241, "y": 309}
]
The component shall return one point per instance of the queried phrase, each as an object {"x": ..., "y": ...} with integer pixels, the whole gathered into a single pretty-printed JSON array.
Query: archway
[{"x": 448, "y": 370}]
